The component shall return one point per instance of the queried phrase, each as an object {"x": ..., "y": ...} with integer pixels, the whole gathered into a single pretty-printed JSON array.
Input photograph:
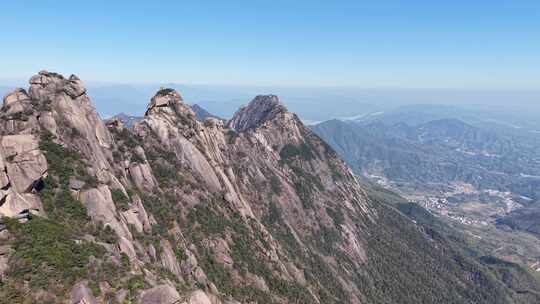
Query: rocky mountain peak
[
  {"x": 47, "y": 83},
  {"x": 58, "y": 106},
  {"x": 167, "y": 99},
  {"x": 261, "y": 109}
]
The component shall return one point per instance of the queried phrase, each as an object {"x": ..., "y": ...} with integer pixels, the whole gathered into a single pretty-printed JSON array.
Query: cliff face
[
  {"x": 257, "y": 211},
  {"x": 273, "y": 176}
]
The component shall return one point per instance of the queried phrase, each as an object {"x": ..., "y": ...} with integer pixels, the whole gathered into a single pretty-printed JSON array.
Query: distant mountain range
[
  {"x": 317, "y": 104},
  {"x": 477, "y": 172},
  {"x": 439, "y": 151}
]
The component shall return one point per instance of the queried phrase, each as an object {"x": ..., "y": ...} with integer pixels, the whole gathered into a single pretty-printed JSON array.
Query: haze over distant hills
[
  {"x": 312, "y": 104},
  {"x": 477, "y": 169}
]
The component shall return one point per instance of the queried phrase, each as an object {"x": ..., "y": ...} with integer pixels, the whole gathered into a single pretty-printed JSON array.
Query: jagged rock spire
[
  {"x": 167, "y": 98},
  {"x": 261, "y": 109},
  {"x": 47, "y": 83}
]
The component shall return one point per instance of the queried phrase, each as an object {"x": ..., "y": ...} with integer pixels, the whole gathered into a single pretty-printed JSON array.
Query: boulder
[
  {"x": 168, "y": 259},
  {"x": 26, "y": 169},
  {"x": 16, "y": 102},
  {"x": 22, "y": 164},
  {"x": 162, "y": 294},
  {"x": 126, "y": 246},
  {"x": 200, "y": 276},
  {"x": 142, "y": 176},
  {"x": 132, "y": 218},
  {"x": 101, "y": 209},
  {"x": 81, "y": 294},
  {"x": 137, "y": 216},
  {"x": 199, "y": 297},
  {"x": 99, "y": 203},
  {"x": 121, "y": 295},
  {"x": 152, "y": 252},
  {"x": 75, "y": 184},
  {"x": 141, "y": 213},
  {"x": 15, "y": 203},
  {"x": 221, "y": 252},
  {"x": 190, "y": 264}
]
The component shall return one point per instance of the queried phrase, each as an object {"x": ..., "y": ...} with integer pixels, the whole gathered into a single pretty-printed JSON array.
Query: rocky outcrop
[
  {"x": 45, "y": 84},
  {"x": 15, "y": 203},
  {"x": 162, "y": 294},
  {"x": 137, "y": 216},
  {"x": 25, "y": 164},
  {"x": 199, "y": 297},
  {"x": 67, "y": 105},
  {"x": 101, "y": 209},
  {"x": 174, "y": 123},
  {"x": 81, "y": 294},
  {"x": 261, "y": 109},
  {"x": 142, "y": 176},
  {"x": 169, "y": 99},
  {"x": 168, "y": 259},
  {"x": 16, "y": 102}
]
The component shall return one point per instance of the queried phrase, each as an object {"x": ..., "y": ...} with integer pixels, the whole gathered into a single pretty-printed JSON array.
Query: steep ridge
[
  {"x": 182, "y": 211},
  {"x": 260, "y": 110},
  {"x": 201, "y": 113}
]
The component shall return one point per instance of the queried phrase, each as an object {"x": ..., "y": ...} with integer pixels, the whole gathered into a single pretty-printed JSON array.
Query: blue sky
[{"x": 373, "y": 44}]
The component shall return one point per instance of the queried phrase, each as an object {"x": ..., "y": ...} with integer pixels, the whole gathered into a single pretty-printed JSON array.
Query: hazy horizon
[{"x": 325, "y": 60}]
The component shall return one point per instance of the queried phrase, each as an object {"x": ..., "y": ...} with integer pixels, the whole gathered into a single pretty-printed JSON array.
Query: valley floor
[{"x": 475, "y": 213}]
